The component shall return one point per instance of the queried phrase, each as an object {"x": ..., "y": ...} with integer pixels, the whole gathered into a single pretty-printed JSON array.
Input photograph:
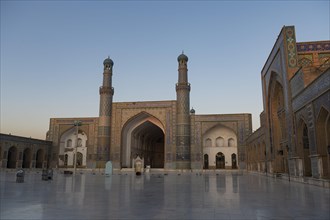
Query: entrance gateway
[
  {"x": 167, "y": 134},
  {"x": 143, "y": 136}
]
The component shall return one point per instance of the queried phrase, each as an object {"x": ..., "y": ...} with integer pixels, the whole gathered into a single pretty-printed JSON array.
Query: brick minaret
[
  {"x": 106, "y": 94},
  {"x": 183, "y": 117}
]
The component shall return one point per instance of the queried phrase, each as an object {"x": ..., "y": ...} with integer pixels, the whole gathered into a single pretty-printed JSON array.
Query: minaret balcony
[
  {"x": 106, "y": 90},
  {"x": 183, "y": 86}
]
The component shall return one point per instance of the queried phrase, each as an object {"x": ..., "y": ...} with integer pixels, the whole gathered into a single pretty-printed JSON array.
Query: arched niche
[
  {"x": 277, "y": 122},
  {"x": 69, "y": 144},
  {"x": 143, "y": 135}
]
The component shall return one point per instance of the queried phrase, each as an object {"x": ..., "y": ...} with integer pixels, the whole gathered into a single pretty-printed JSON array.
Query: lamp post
[{"x": 76, "y": 124}]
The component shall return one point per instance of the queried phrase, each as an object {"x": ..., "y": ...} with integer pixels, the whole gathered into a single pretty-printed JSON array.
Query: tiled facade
[
  {"x": 293, "y": 138},
  {"x": 167, "y": 134}
]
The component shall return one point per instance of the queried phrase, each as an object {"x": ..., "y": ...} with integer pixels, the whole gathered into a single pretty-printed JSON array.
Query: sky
[{"x": 52, "y": 54}]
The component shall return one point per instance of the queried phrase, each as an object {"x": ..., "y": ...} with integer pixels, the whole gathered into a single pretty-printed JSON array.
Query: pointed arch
[
  {"x": 40, "y": 158},
  {"x": 27, "y": 156},
  {"x": 206, "y": 161},
  {"x": 219, "y": 125},
  {"x": 220, "y": 160},
  {"x": 208, "y": 142},
  {"x": 277, "y": 121},
  {"x": 219, "y": 141},
  {"x": 66, "y": 157},
  {"x": 233, "y": 161},
  {"x": 79, "y": 161},
  {"x": 221, "y": 134},
  {"x": 303, "y": 150},
  {"x": 143, "y": 135},
  {"x": 231, "y": 142},
  {"x": 12, "y": 157},
  {"x": 323, "y": 139},
  {"x": 68, "y": 142}
]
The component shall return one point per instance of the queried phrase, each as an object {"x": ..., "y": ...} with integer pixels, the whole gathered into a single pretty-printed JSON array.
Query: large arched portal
[
  {"x": 143, "y": 135},
  {"x": 278, "y": 126},
  {"x": 69, "y": 143},
  {"x": 216, "y": 139}
]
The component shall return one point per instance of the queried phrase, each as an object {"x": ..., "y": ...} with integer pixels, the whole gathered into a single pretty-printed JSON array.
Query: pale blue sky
[{"x": 52, "y": 54}]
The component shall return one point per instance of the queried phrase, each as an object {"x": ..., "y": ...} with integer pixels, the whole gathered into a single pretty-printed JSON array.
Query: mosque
[
  {"x": 166, "y": 134},
  {"x": 293, "y": 139}
]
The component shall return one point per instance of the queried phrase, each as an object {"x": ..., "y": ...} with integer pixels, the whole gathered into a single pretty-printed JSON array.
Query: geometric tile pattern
[
  {"x": 291, "y": 47},
  {"x": 315, "y": 46},
  {"x": 183, "y": 116}
]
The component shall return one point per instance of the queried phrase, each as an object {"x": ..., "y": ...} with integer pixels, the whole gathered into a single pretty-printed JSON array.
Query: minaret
[
  {"x": 106, "y": 94},
  {"x": 182, "y": 116}
]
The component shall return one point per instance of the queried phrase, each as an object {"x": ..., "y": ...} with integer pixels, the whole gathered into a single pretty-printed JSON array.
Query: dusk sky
[{"x": 52, "y": 54}]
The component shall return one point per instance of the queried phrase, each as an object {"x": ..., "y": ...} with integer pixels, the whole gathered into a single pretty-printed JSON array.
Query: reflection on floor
[{"x": 222, "y": 195}]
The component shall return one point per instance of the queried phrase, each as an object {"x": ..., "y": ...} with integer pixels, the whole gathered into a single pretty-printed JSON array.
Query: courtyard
[{"x": 160, "y": 195}]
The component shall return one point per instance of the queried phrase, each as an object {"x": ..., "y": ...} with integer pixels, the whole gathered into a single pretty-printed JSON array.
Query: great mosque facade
[
  {"x": 293, "y": 139},
  {"x": 166, "y": 134}
]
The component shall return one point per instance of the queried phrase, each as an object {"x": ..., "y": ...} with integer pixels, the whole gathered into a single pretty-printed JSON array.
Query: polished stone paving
[{"x": 221, "y": 195}]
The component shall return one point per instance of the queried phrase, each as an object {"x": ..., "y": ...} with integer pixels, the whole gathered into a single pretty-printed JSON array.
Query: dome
[
  {"x": 192, "y": 111},
  {"x": 108, "y": 61},
  {"x": 182, "y": 57}
]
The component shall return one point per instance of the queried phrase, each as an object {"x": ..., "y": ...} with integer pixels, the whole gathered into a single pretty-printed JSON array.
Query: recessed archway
[
  {"x": 220, "y": 161},
  {"x": 206, "y": 161},
  {"x": 12, "y": 157},
  {"x": 27, "y": 158},
  {"x": 224, "y": 140},
  {"x": 39, "y": 158},
  {"x": 277, "y": 117},
  {"x": 79, "y": 161},
  {"x": 143, "y": 136},
  {"x": 70, "y": 143},
  {"x": 233, "y": 161},
  {"x": 323, "y": 140},
  {"x": 303, "y": 147}
]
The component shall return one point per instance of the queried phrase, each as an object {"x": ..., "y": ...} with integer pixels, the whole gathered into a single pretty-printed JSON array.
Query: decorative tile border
[
  {"x": 313, "y": 46},
  {"x": 291, "y": 46}
]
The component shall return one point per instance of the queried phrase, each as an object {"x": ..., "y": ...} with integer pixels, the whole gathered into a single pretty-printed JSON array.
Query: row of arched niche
[
  {"x": 143, "y": 135},
  {"x": 220, "y": 142},
  {"x": 220, "y": 161},
  {"x": 27, "y": 157}
]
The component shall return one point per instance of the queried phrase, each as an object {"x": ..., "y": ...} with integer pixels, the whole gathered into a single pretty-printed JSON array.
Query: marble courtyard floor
[{"x": 221, "y": 195}]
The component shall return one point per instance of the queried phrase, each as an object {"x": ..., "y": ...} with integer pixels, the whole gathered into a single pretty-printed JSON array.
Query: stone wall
[{"x": 23, "y": 152}]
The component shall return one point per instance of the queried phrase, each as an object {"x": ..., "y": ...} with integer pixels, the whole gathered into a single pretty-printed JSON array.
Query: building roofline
[
  {"x": 10, "y": 136},
  {"x": 273, "y": 48}
]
